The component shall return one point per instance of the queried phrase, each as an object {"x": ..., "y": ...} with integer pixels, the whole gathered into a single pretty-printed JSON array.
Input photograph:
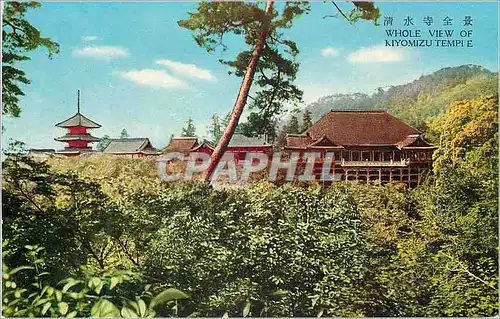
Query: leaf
[
  {"x": 70, "y": 284},
  {"x": 46, "y": 307},
  {"x": 99, "y": 287},
  {"x": 134, "y": 306},
  {"x": 40, "y": 301},
  {"x": 94, "y": 282},
  {"x": 50, "y": 291},
  {"x": 320, "y": 313},
  {"x": 113, "y": 282},
  {"x": 71, "y": 314},
  {"x": 166, "y": 296},
  {"x": 246, "y": 309},
  {"x": 314, "y": 300},
  {"x": 104, "y": 309},
  {"x": 142, "y": 307},
  {"x": 280, "y": 293},
  {"x": 128, "y": 313},
  {"x": 14, "y": 270},
  {"x": 63, "y": 307},
  {"x": 58, "y": 295}
]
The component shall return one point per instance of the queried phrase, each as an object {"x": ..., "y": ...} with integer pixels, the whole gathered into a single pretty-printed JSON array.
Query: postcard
[{"x": 250, "y": 159}]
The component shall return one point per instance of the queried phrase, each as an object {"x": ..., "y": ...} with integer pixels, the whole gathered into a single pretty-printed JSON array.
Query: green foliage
[
  {"x": 257, "y": 124},
  {"x": 103, "y": 143},
  {"x": 189, "y": 130},
  {"x": 95, "y": 296},
  {"x": 19, "y": 37},
  {"x": 266, "y": 251},
  {"x": 468, "y": 133},
  {"x": 291, "y": 127},
  {"x": 364, "y": 10},
  {"x": 73, "y": 216}
]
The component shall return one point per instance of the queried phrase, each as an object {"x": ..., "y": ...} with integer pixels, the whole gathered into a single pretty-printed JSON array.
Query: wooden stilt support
[{"x": 418, "y": 176}]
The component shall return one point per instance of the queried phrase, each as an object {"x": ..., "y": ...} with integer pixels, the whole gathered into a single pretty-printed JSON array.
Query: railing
[{"x": 401, "y": 163}]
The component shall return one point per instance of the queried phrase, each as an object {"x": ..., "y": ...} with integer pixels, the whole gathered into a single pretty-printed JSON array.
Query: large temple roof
[
  {"x": 78, "y": 120},
  {"x": 375, "y": 128}
]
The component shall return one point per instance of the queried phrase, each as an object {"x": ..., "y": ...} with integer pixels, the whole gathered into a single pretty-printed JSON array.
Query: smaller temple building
[
  {"x": 77, "y": 137},
  {"x": 239, "y": 144},
  {"x": 130, "y": 147},
  {"x": 367, "y": 146}
]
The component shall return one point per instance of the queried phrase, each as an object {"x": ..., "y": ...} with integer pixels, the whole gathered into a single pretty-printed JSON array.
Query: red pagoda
[{"x": 77, "y": 137}]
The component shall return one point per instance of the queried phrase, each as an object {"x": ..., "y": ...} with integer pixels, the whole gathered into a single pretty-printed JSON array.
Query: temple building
[
  {"x": 239, "y": 145},
  {"x": 77, "y": 137},
  {"x": 130, "y": 147},
  {"x": 367, "y": 146}
]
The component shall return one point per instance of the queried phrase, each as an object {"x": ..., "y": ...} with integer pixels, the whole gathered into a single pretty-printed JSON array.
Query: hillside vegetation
[{"x": 420, "y": 100}]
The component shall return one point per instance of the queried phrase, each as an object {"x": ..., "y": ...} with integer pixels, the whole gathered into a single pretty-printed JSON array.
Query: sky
[{"x": 138, "y": 70}]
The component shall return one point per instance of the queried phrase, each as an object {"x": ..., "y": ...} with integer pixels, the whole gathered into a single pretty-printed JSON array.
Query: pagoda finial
[{"x": 78, "y": 103}]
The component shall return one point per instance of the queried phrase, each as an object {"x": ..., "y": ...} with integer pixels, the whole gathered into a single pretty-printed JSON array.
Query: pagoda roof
[
  {"x": 78, "y": 120},
  {"x": 77, "y": 137},
  {"x": 129, "y": 145},
  {"x": 74, "y": 150}
]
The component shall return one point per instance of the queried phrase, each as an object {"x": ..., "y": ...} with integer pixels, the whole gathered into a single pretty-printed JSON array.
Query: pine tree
[
  {"x": 306, "y": 120},
  {"x": 293, "y": 125},
  {"x": 269, "y": 58},
  {"x": 103, "y": 143},
  {"x": 124, "y": 134},
  {"x": 19, "y": 37},
  {"x": 189, "y": 130},
  {"x": 215, "y": 129}
]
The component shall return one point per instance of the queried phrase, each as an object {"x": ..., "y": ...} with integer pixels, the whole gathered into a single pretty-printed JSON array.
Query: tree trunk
[{"x": 241, "y": 100}]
